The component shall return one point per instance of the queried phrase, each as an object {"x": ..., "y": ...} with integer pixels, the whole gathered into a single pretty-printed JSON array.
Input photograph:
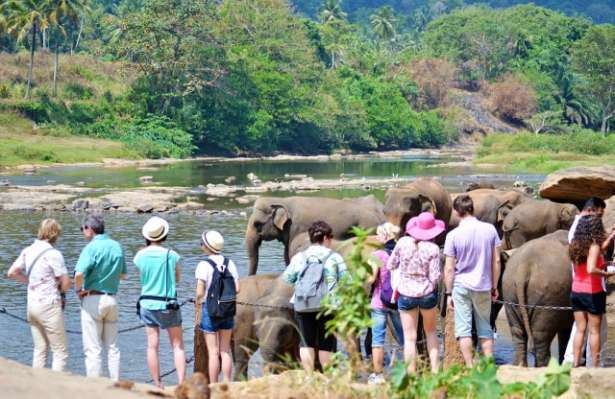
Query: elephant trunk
[{"x": 253, "y": 243}]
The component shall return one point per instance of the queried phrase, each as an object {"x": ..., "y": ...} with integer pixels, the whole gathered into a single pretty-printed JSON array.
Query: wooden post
[{"x": 201, "y": 357}]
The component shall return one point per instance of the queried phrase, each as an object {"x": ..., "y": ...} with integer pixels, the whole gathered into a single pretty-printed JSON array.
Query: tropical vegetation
[{"x": 181, "y": 77}]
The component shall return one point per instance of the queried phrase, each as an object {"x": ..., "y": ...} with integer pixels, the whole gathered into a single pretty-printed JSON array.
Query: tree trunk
[
  {"x": 73, "y": 49},
  {"x": 32, "y": 49},
  {"x": 56, "y": 60},
  {"x": 45, "y": 45},
  {"x": 201, "y": 356}
]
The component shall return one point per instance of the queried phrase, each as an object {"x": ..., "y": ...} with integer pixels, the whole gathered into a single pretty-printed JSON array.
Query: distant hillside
[{"x": 599, "y": 11}]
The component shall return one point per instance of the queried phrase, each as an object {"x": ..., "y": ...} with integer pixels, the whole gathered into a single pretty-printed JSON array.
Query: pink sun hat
[{"x": 424, "y": 227}]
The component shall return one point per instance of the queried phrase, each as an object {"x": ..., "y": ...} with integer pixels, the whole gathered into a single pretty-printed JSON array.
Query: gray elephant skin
[
  {"x": 492, "y": 206},
  {"x": 534, "y": 219},
  {"x": 283, "y": 219},
  {"x": 401, "y": 204},
  {"x": 270, "y": 325},
  {"x": 538, "y": 273}
]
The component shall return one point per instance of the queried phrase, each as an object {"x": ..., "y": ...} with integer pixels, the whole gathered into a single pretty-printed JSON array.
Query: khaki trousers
[
  {"x": 99, "y": 326},
  {"x": 47, "y": 326}
]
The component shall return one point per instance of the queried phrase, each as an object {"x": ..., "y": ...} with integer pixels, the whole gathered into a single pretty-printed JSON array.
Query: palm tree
[
  {"x": 25, "y": 18},
  {"x": 383, "y": 23},
  {"x": 331, "y": 10},
  {"x": 62, "y": 12},
  {"x": 576, "y": 108}
]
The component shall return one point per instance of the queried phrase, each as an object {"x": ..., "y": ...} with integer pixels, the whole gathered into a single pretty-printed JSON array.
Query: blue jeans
[
  {"x": 379, "y": 329},
  {"x": 468, "y": 303},
  {"x": 426, "y": 302},
  {"x": 211, "y": 326}
]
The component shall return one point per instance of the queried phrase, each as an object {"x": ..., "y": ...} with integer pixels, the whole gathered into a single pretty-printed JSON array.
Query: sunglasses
[{"x": 82, "y": 228}]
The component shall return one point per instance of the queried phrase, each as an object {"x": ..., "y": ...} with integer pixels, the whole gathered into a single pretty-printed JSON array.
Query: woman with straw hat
[
  {"x": 418, "y": 258},
  {"x": 158, "y": 308}
]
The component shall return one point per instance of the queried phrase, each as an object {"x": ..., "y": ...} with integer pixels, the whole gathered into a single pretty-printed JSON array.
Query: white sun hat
[
  {"x": 213, "y": 240},
  {"x": 155, "y": 229}
]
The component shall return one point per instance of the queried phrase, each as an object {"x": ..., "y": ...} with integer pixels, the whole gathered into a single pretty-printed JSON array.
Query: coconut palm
[
  {"x": 331, "y": 10},
  {"x": 25, "y": 18},
  {"x": 576, "y": 108},
  {"x": 383, "y": 23}
]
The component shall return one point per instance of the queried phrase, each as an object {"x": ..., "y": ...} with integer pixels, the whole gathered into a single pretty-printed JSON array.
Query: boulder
[
  {"x": 609, "y": 214},
  {"x": 230, "y": 180},
  {"x": 80, "y": 204},
  {"x": 146, "y": 179},
  {"x": 578, "y": 184},
  {"x": 145, "y": 208}
]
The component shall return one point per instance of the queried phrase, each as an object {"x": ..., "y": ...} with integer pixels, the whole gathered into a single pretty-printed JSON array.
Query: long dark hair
[{"x": 590, "y": 230}]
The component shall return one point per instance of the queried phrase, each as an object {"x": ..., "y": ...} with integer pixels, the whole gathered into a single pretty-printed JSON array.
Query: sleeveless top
[{"x": 585, "y": 283}]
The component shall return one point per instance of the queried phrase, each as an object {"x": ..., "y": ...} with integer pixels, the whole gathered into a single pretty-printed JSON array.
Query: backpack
[
  {"x": 311, "y": 288},
  {"x": 386, "y": 288},
  {"x": 222, "y": 292}
]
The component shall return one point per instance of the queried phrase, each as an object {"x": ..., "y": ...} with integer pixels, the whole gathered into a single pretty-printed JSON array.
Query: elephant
[
  {"x": 283, "y": 219},
  {"x": 268, "y": 323},
  {"x": 492, "y": 206},
  {"x": 401, "y": 204},
  {"x": 538, "y": 273},
  {"x": 534, "y": 219}
]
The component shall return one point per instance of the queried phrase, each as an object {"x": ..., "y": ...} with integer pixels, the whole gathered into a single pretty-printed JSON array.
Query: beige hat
[
  {"x": 155, "y": 229},
  {"x": 213, "y": 241},
  {"x": 387, "y": 231}
]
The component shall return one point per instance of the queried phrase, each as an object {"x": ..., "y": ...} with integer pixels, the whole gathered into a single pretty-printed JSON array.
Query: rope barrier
[
  {"x": 168, "y": 373},
  {"x": 260, "y": 305},
  {"x": 527, "y": 306}
]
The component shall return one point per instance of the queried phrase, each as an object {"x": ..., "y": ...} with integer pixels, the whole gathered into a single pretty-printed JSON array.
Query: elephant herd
[{"x": 536, "y": 263}]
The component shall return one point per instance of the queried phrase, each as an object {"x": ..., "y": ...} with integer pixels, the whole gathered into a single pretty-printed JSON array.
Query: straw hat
[
  {"x": 424, "y": 227},
  {"x": 213, "y": 241},
  {"x": 386, "y": 232},
  {"x": 155, "y": 229}
]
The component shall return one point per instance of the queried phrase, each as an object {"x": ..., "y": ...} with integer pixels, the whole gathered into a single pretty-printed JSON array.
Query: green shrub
[
  {"x": 76, "y": 91},
  {"x": 5, "y": 90}
]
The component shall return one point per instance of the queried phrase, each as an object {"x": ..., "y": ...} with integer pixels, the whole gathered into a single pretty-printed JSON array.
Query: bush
[
  {"x": 77, "y": 91},
  {"x": 512, "y": 99},
  {"x": 433, "y": 77}
]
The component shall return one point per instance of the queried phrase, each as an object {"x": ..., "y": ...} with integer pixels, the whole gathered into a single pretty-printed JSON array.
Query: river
[{"x": 19, "y": 228}]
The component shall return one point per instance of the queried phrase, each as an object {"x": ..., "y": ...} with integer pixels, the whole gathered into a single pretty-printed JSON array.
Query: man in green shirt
[{"x": 99, "y": 270}]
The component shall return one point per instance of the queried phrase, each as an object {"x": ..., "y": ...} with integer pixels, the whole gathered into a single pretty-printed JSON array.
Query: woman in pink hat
[{"x": 418, "y": 258}]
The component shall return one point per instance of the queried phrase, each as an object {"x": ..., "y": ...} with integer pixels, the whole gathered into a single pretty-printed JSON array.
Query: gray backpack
[{"x": 311, "y": 288}]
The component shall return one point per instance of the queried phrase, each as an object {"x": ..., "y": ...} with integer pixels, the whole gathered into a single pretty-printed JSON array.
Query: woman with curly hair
[{"x": 588, "y": 297}]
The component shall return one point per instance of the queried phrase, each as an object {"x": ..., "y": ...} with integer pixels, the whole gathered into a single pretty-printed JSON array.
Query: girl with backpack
[
  {"x": 216, "y": 289},
  {"x": 383, "y": 304},
  {"x": 315, "y": 273},
  {"x": 418, "y": 258},
  {"x": 157, "y": 307}
]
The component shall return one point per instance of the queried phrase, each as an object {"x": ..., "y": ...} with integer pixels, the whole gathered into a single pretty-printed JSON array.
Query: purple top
[
  {"x": 472, "y": 244},
  {"x": 376, "y": 301}
]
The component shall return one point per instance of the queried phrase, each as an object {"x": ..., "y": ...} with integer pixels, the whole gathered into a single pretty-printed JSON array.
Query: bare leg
[
  {"x": 153, "y": 345},
  {"x": 580, "y": 319},
  {"x": 378, "y": 359},
  {"x": 467, "y": 350},
  {"x": 430, "y": 324},
  {"x": 324, "y": 357},
  {"x": 176, "y": 336},
  {"x": 594, "y": 337},
  {"x": 409, "y": 321},
  {"x": 211, "y": 340},
  {"x": 225, "y": 353},
  {"x": 307, "y": 358},
  {"x": 486, "y": 345}
]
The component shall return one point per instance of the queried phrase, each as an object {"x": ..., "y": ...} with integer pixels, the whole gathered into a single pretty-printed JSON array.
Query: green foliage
[{"x": 478, "y": 382}]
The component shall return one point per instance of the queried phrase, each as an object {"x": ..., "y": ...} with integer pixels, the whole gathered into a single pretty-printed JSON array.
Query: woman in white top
[
  {"x": 217, "y": 331},
  {"x": 41, "y": 266}
]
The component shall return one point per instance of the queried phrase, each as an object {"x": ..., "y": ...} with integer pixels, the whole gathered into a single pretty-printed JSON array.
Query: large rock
[
  {"x": 578, "y": 184},
  {"x": 609, "y": 214}
]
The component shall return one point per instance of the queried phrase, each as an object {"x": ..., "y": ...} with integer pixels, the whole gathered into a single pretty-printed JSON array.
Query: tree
[
  {"x": 383, "y": 23},
  {"x": 331, "y": 10},
  {"x": 594, "y": 60},
  {"x": 63, "y": 12},
  {"x": 25, "y": 18}
]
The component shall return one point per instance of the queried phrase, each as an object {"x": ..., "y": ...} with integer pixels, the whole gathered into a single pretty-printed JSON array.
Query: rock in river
[{"x": 578, "y": 184}]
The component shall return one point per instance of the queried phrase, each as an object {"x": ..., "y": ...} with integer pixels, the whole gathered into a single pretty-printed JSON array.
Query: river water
[{"x": 19, "y": 229}]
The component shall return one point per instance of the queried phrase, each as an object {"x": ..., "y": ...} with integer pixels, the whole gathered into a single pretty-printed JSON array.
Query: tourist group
[{"x": 407, "y": 274}]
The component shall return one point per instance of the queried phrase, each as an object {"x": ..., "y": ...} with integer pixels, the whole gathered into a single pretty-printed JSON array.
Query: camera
[{"x": 172, "y": 305}]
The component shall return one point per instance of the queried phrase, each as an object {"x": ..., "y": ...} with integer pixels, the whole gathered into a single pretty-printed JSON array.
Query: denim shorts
[
  {"x": 211, "y": 326},
  {"x": 379, "y": 328},
  {"x": 426, "y": 302},
  {"x": 161, "y": 318},
  {"x": 470, "y": 303}
]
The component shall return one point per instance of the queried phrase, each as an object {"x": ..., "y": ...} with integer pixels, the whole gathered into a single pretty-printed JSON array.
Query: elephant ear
[
  {"x": 503, "y": 211},
  {"x": 280, "y": 216},
  {"x": 566, "y": 216}
]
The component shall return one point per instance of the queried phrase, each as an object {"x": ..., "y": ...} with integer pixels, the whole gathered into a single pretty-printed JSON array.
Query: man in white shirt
[{"x": 593, "y": 207}]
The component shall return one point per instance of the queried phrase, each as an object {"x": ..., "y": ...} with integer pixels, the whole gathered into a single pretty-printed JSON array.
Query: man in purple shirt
[{"x": 471, "y": 275}]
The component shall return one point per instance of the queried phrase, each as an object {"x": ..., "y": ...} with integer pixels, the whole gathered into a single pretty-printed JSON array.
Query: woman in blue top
[{"x": 160, "y": 272}]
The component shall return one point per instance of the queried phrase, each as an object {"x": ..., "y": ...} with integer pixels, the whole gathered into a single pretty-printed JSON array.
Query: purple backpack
[{"x": 384, "y": 277}]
